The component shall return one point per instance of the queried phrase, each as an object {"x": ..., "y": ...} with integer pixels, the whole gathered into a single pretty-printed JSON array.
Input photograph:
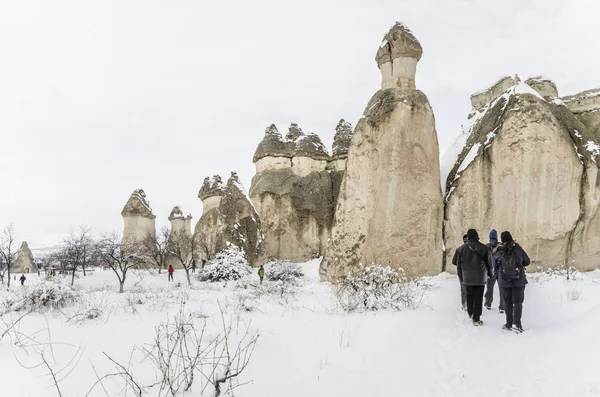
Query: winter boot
[
  {"x": 477, "y": 323},
  {"x": 507, "y": 327}
]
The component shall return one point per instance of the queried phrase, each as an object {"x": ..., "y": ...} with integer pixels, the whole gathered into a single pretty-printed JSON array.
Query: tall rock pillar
[
  {"x": 139, "y": 221},
  {"x": 390, "y": 207}
]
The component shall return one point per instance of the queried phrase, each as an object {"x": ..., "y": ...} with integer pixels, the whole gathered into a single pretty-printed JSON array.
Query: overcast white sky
[{"x": 98, "y": 98}]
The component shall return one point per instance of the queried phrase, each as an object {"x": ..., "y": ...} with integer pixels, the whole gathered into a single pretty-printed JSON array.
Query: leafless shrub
[{"x": 379, "y": 287}]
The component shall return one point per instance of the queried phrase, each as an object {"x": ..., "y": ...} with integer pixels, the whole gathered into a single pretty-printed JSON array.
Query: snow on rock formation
[
  {"x": 524, "y": 163},
  {"x": 228, "y": 217},
  {"x": 390, "y": 206},
  {"x": 586, "y": 107},
  {"x": 24, "y": 262},
  {"x": 139, "y": 221},
  {"x": 295, "y": 189}
]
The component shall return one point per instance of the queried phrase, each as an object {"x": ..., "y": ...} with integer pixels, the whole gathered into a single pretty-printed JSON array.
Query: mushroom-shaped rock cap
[
  {"x": 294, "y": 132},
  {"x": 310, "y": 145},
  {"x": 273, "y": 144},
  {"x": 211, "y": 187},
  {"x": 137, "y": 205},
  {"x": 177, "y": 213},
  {"x": 234, "y": 183},
  {"x": 398, "y": 42},
  {"x": 24, "y": 245},
  {"x": 342, "y": 139},
  {"x": 545, "y": 87}
]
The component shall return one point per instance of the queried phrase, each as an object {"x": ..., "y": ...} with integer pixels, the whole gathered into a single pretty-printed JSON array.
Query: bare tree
[
  {"x": 8, "y": 252},
  {"x": 156, "y": 248},
  {"x": 78, "y": 251},
  {"x": 182, "y": 247},
  {"x": 120, "y": 256}
]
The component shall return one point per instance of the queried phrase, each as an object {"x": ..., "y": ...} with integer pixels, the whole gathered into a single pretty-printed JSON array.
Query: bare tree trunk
[
  {"x": 8, "y": 273},
  {"x": 187, "y": 274},
  {"x": 84, "y": 271},
  {"x": 73, "y": 276},
  {"x": 121, "y": 283}
]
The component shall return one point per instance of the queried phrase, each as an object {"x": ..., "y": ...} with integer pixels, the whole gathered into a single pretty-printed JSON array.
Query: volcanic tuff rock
[
  {"x": 295, "y": 188},
  {"x": 181, "y": 235},
  {"x": 24, "y": 262},
  {"x": 526, "y": 164},
  {"x": 390, "y": 208},
  {"x": 228, "y": 217},
  {"x": 139, "y": 221},
  {"x": 586, "y": 107}
]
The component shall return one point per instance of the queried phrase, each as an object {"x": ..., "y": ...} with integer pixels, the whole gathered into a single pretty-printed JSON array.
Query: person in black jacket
[
  {"x": 463, "y": 288},
  {"x": 474, "y": 264},
  {"x": 489, "y": 289},
  {"x": 510, "y": 254}
]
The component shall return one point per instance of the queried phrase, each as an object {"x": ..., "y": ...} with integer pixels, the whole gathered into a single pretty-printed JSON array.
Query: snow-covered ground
[{"x": 307, "y": 347}]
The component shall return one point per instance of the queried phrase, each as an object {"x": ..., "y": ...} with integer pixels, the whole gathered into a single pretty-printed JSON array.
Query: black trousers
[
  {"x": 513, "y": 305},
  {"x": 489, "y": 292},
  {"x": 475, "y": 301}
]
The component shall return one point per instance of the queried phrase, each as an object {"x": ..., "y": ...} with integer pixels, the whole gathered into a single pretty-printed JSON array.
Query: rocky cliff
[
  {"x": 139, "y": 221},
  {"x": 390, "y": 207},
  {"x": 295, "y": 189},
  {"x": 228, "y": 217},
  {"x": 525, "y": 163}
]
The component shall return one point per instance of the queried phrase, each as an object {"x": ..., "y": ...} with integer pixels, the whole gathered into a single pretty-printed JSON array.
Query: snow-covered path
[{"x": 308, "y": 349}]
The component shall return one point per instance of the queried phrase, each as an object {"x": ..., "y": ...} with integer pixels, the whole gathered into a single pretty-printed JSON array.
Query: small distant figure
[
  {"x": 510, "y": 269},
  {"x": 171, "y": 270},
  {"x": 261, "y": 273},
  {"x": 203, "y": 263},
  {"x": 22, "y": 279},
  {"x": 193, "y": 266}
]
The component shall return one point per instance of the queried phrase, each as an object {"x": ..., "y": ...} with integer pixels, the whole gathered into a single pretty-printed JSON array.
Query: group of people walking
[{"x": 480, "y": 265}]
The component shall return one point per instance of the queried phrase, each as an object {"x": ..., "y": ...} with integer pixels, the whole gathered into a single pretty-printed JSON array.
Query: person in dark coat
[
  {"x": 463, "y": 288},
  {"x": 475, "y": 263},
  {"x": 489, "y": 289},
  {"x": 170, "y": 271},
  {"x": 193, "y": 266},
  {"x": 513, "y": 289},
  {"x": 22, "y": 279}
]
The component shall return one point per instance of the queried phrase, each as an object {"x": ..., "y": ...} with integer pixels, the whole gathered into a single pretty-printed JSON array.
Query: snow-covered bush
[
  {"x": 378, "y": 287},
  {"x": 229, "y": 264},
  {"x": 47, "y": 295},
  {"x": 283, "y": 271}
]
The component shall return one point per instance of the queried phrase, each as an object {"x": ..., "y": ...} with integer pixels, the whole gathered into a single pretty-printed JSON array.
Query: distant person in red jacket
[{"x": 171, "y": 270}]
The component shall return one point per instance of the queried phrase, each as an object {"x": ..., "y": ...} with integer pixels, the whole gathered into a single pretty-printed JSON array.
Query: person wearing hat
[
  {"x": 463, "y": 288},
  {"x": 510, "y": 268},
  {"x": 489, "y": 289},
  {"x": 474, "y": 265}
]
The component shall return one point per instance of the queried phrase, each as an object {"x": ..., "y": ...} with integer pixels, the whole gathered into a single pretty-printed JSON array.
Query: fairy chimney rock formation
[
  {"x": 139, "y": 221},
  {"x": 543, "y": 86},
  {"x": 211, "y": 193},
  {"x": 180, "y": 223},
  {"x": 397, "y": 58},
  {"x": 390, "y": 209},
  {"x": 341, "y": 145},
  {"x": 229, "y": 218},
  {"x": 295, "y": 189},
  {"x": 24, "y": 262},
  {"x": 526, "y": 164}
]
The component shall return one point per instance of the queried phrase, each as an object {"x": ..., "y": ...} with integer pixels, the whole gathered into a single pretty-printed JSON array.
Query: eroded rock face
[
  {"x": 390, "y": 209},
  {"x": 24, "y": 262},
  {"x": 139, "y": 221},
  {"x": 228, "y": 217},
  {"x": 543, "y": 86},
  {"x": 586, "y": 106},
  {"x": 525, "y": 166},
  {"x": 295, "y": 189}
]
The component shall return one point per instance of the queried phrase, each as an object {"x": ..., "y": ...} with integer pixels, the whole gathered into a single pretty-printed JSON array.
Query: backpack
[{"x": 509, "y": 266}]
